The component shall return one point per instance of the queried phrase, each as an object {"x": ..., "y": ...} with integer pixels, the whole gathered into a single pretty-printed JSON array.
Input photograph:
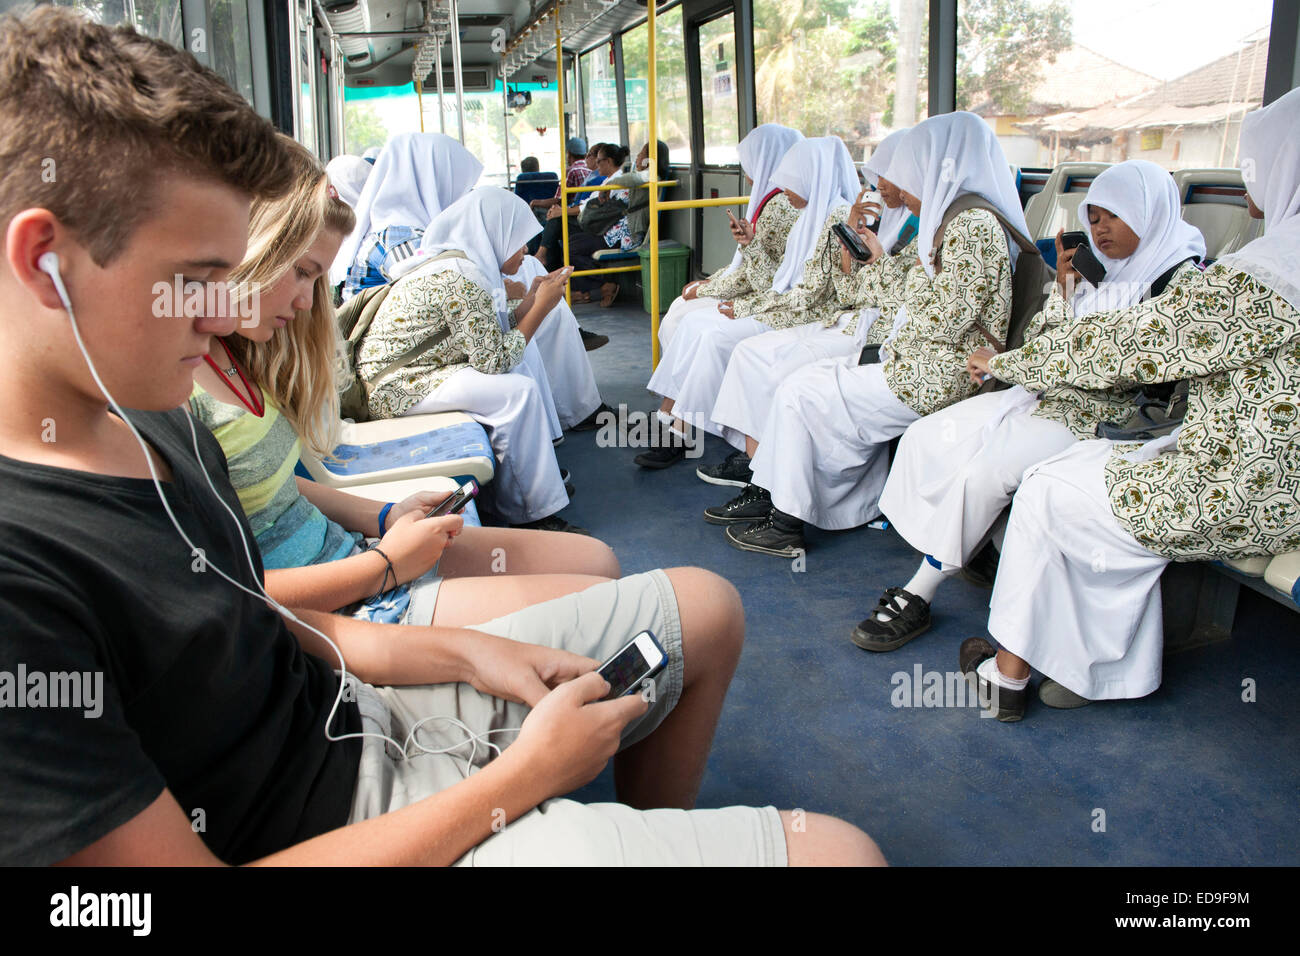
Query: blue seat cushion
[{"x": 465, "y": 440}]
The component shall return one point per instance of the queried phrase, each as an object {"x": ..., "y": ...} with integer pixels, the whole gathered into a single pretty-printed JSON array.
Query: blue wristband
[{"x": 383, "y": 516}]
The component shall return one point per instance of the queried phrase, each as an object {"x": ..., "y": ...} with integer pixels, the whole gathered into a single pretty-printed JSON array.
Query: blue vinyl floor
[{"x": 1190, "y": 775}]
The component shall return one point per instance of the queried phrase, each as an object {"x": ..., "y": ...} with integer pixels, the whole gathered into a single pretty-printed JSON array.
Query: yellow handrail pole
[
  {"x": 419, "y": 102},
  {"x": 652, "y": 149},
  {"x": 700, "y": 203},
  {"x": 564, "y": 156}
]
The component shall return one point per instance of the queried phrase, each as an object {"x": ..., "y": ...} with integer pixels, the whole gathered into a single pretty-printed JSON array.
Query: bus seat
[
  {"x": 1056, "y": 206},
  {"x": 414, "y": 448},
  {"x": 1252, "y": 566},
  {"x": 1214, "y": 201},
  {"x": 1283, "y": 573},
  {"x": 541, "y": 186}
]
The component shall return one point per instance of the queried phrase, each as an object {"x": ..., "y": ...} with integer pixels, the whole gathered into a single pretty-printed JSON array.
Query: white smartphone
[
  {"x": 639, "y": 660},
  {"x": 873, "y": 197}
]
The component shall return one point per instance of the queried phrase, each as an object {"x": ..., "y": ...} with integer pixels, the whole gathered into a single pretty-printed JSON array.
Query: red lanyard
[{"x": 257, "y": 408}]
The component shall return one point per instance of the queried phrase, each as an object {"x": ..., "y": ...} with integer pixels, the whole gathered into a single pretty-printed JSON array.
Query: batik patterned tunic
[
  {"x": 813, "y": 298},
  {"x": 759, "y": 260},
  {"x": 880, "y": 285},
  {"x": 1233, "y": 487}
]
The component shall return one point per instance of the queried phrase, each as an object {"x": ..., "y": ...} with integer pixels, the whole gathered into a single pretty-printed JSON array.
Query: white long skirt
[
  {"x": 760, "y": 364},
  {"x": 823, "y": 452},
  {"x": 691, "y": 369},
  {"x": 679, "y": 310},
  {"x": 573, "y": 390},
  {"x": 956, "y": 470},
  {"x": 527, "y": 484},
  {"x": 1076, "y": 595}
]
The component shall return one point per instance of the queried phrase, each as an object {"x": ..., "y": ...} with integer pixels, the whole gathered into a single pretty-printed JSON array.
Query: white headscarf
[
  {"x": 946, "y": 156},
  {"x": 892, "y": 221},
  {"x": 1144, "y": 196},
  {"x": 821, "y": 171},
  {"x": 417, "y": 176},
  {"x": 1270, "y": 166},
  {"x": 489, "y": 225},
  {"x": 761, "y": 151},
  {"x": 349, "y": 175},
  {"x": 372, "y": 153}
]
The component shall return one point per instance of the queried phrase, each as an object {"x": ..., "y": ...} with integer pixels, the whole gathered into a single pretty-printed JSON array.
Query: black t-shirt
[{"x": 204, "y": 690}]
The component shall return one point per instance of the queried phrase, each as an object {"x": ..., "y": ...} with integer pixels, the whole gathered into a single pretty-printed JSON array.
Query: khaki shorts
[{"x": 596, "y": 623}]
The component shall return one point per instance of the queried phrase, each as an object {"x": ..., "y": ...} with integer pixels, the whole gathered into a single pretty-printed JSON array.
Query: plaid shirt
[
  {"x": 378, "y": 253},
  {"x": 578, "y": 174}
]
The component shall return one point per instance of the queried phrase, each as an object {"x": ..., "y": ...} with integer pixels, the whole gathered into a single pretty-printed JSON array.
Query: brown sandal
[
  {"x": 581, "y": 297},
  {"x": 608, "y": 293}
]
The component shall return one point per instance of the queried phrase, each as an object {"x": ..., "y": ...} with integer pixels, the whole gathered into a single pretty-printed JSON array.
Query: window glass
[
  {"x": 850, "y": 68},
  {"x": 306, "y": 61},
  {"x": 1110, "y": 80},
  {"x": 718, "y": 90},
  {"x": 600, "y": 95},
  {"x": 673, "y": 103},
  {"x": 229, "y": 43},
  {"x": 157, "y": 18}
]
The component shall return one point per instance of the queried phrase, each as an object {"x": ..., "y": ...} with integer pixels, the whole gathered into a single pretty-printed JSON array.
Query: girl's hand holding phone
[
  {"x": 741, "y": 229},
  {"x": 1066, "y": 275}
]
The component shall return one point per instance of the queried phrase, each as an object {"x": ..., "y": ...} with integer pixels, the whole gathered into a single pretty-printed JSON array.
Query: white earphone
[{"x": 49, "y": 264}]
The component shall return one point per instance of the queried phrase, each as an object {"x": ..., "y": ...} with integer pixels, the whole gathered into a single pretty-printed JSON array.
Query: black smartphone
[
  {"x": 1088, "y": 265},
  {"x": 851, "y": 241},
  {"x": 639, "y": 660},
  {"x": 455, "y": 504},
  {"x": 1073, "y": 240}
]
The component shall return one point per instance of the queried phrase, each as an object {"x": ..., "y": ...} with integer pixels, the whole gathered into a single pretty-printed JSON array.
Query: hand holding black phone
[
  {"x": 456, "y": 502},
  {"x": 1084, "y": 261},
  {"x": 851, "y": 241}
]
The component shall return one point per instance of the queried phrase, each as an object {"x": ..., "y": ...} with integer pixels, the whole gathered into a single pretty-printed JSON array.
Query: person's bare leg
[
  {"x": 814, "y": 839},
  {"x": 1012, "y": 666},
  {"x": 480, "y": 552},
  {"x": 666, "y": 406},
  {"x": 751, "y": 447},
  {"x": 666, "y": 768},
  {"x": 466, "y": 601},
  {"x": 541, "y": 255}
]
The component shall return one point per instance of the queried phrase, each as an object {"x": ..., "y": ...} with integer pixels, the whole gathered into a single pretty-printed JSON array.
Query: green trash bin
[{"x": 674, "y": 265}]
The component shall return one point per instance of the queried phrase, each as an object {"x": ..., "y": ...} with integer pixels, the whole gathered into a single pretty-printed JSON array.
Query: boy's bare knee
[
  {"x": 816, "y": 839},
  {"x": 710, "y": 601}
]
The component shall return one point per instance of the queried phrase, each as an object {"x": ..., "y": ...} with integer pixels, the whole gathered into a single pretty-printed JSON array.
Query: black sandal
[{"x": 905, "y": 622}]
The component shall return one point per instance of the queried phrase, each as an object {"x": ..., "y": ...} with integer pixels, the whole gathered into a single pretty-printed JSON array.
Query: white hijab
[
  {"x": 821, "y": 171},
  {"x": 1144, "y": 196},
  {"x": 349, "y": 175},
  {"x": 892, "y": 221},
  {"x": 1270, "y": 165},
  {"x": 946, "y": 156},
  {"x": 761, "y": 152},
  {"x": 489, "y": 225},
  {"x": 416, "y": 176}
]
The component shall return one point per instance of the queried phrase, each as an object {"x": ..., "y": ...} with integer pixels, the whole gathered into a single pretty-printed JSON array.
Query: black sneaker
[
  {"x": 590, "y": 423},
  {"x": 982, "y": 568},
  {"x": 554, "y": 523},
  {"x": 569, "y": 489},
  {"x": 1007, "y": 705},
  {"x": 734, "y": 471},
  {"x": 766, "y": 538},
  {"x": 905, "y": 622},
  {"x": 591, "y": 340},
  {"x": 564, "y": 475},
  {"x": 1057, "y": 695},
  {"x": 752, "y": 504}
]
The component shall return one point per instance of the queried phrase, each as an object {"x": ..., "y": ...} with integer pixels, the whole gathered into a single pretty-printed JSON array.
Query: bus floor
[{"x": 1191, "y": 775}]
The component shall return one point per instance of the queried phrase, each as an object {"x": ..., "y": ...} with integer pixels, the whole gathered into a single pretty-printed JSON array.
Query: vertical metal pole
[
  {"x": 419, "y": 101},
  {"x": 505, "y": 121},
  {"x": 456, "y": 67},
  {"x": 442, "y": 109},
  {"x": 652, "y": 151},
  {"x": 564, "y": 154}
]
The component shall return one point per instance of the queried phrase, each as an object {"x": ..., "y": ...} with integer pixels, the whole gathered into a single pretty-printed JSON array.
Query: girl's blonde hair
[{"x": 298, "y": 366}]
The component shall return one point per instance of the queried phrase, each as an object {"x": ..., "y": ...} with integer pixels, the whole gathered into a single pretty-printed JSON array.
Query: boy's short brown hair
[{"x": 92, "y": 116}]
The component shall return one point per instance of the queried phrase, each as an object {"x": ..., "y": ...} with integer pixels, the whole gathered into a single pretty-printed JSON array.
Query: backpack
[
  {"x": 597, "y": 218},
  {"x": 1031, "y": 282},
  {"x": 354, "y": 319}
]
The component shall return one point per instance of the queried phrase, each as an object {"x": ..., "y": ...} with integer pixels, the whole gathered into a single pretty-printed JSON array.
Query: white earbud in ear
[{"x": 49, "y": 264}]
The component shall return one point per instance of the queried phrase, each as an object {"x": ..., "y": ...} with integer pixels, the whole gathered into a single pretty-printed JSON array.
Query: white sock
[
  {"x": 924, "y": 584},
  {"x": 989, "y": 671},
  {"x": 664, "y": 418}
]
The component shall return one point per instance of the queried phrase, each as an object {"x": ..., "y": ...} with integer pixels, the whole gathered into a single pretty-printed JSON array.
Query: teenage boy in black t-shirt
[{"x": 152, "y": 711}]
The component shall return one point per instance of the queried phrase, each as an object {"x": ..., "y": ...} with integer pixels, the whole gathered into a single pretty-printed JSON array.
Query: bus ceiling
[{"x": 381, "y": 40}]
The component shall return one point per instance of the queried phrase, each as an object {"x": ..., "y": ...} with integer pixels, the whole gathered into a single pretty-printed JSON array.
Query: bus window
[
  {"x": 854, "y": 70},
  {"x": 600, "y": 95},
  {"x": 229, "y": 44},
  {"x": 718, "y": 88},
  {"x": 670, "y": 67},
  {"x": 158, "y": 18},
  {"x": 1167, "y": 81}
]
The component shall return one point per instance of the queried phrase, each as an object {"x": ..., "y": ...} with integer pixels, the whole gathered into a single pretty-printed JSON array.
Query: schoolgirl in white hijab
[
  {"x": 760, "y": 363},
  {"x": 416, "y": 176},
  {"x": 956, "y": 470},
  {"x": 349, "y": 175},
  {"x": 761, "y": 152},
  {"x": 490, "y": 225},
  {"x": 821, "y": 173},
  {"x": 1202, "y": 493},
  {"x": 822, "y": 453}
]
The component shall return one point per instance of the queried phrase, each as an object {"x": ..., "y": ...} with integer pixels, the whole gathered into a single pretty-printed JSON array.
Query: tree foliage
[{"x": 1003, "y": 46}]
